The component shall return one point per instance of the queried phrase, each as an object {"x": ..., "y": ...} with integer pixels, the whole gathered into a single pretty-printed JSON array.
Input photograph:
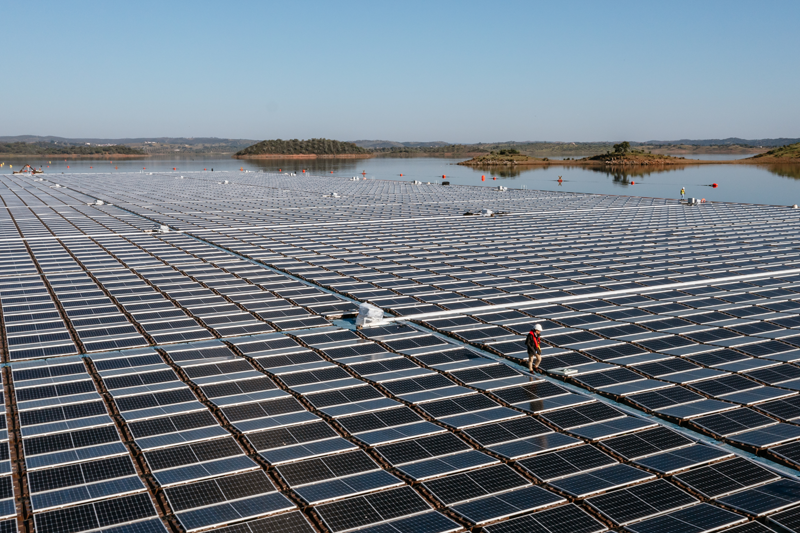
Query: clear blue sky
[{"x": 458, "y": 71}]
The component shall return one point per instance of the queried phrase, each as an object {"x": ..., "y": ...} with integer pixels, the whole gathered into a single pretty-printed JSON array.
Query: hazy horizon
[
  {"x": 461, "y": 72},
  {"x": 22, "y": 137}
]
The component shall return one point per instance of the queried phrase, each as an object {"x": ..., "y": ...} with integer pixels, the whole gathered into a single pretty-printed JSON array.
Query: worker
[
  {"x": 683, "y": 193},
  {"x": 533, "y": 344}
]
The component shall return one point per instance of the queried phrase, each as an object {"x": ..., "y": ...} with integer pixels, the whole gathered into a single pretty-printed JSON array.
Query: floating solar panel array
[
  {"x": 195, "y": 380},
  {"x": 80, "y": 476}
]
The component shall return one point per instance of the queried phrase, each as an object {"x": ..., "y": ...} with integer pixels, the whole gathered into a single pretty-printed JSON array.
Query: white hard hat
[{"x": 538, "y": 327}]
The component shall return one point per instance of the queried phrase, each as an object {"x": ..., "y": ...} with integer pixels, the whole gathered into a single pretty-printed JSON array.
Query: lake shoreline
[{"x": 628, "y": 164}]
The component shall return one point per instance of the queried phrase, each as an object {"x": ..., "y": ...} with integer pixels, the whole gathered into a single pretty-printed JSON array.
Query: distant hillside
[
  {"x": 699, "y": 149},
  {"x": 297, "y": 148},
  {"x": 546, "y": 149},
  {"x": 731, "y": 145},
  {"x": 445, "y": 149},
  {"x": 51, "y": 148},
  {"x": 189, "y": 146},
  {"x": 149, "y": 145},
  {"x": 394, "y": 144},
  {"x": 191, "y": 141},
  {"x": 725, "y": 142},
  {"x": 788, "y": 153}
]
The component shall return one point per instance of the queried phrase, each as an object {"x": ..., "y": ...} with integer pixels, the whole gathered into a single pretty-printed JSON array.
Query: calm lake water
[{"x": 776, "y": 184}]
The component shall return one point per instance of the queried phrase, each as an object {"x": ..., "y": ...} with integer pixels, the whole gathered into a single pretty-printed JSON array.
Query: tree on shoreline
[{"x": 622, "y": 148}]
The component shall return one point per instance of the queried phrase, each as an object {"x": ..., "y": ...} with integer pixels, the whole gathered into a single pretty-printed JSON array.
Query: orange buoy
[
  {"x": 714, "y": 185},
  {"x": 116, "y": 168},
  {"x": 304, "y": 171},
  {"x": 67, "y": 165},
  {"x": 443, "y": 176},
  {"x": 633, "y": 183},
  {"x": 494, "y": 178},
  {"x": 331, "y": 171},
  {"x": 401, "y": 175},
  {"x": 173, "y": 168},
  {"x": 483, "y": 178},
  {"x": 91, "y": 167},
  {"x": 279, "y": 170}
]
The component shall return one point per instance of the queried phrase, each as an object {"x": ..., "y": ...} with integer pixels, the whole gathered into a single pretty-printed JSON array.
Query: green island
[
  {"x": 305, "y": 149},
  {"x": 623, "y": 154}
]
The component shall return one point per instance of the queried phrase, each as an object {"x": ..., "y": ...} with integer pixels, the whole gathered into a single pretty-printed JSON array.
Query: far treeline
[
  {"x": 304, "y": 147},
  {"x": 444, "y": 149},
  {"x": 43, "y": 148},
  {"x": 515, "y": 150},
  {"x": 550, "y": 149}
]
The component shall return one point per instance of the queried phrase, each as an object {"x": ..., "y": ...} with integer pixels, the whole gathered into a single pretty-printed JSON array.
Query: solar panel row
[{"x": 225, "y": 386}]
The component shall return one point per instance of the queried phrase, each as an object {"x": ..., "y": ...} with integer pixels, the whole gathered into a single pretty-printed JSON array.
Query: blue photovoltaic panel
[{"x": 214, "y": 349}]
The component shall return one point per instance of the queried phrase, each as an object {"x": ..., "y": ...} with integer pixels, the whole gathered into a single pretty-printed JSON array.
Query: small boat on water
[{"x": 27, "y": 169}]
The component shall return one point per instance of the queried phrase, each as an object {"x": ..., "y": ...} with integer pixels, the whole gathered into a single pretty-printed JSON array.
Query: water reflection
[
  {"x": 314, "y": 166},
  {"x": 739, "y": 183},
  {"x": 766, "y": 184},
  {"x": 508, "y": 172},
  {"x": 626, "y": 175},
  {"x": 786, "y": 171}
]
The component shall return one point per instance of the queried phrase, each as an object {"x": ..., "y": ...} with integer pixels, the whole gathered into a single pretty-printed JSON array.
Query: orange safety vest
[{"x": 535, "y": 339}]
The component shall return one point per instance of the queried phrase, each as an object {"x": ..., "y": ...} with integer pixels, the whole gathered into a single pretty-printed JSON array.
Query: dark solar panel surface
[{"x": 213, "y": 369}]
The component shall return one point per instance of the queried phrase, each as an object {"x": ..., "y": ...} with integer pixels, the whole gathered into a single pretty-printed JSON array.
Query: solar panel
[
  {"x": 562, "y": 519},
  {"x": 197, "y": 461},
  {"x": 702, "y": 517},
  {"x": 582, "y": 415},
  {"x": 558, "y": 464},
  {"x": 225, "y": 499},
  {"x": 768, "y": 498},
  {"x": 732, "y": 422},
  {"x": 641, "y": 501},
  {"x": 371, "y": 509},
  {"x": 56, "y": 487},
  {"x": 720, "y": 479},
  {"x": 104, "y": 514},
  {"x": 644, "y": 443},
  {"x": 474, "y": 484},
  {"x": 715, "y": 335}
]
